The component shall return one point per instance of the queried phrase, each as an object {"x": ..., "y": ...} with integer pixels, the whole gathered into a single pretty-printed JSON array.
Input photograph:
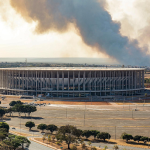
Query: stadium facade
[{"x": 72, "y": 81}]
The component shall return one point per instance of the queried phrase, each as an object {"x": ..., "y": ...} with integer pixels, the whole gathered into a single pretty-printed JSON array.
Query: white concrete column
[
  {"x": 84, "y": 81},
  {"x": 126, "y": 80},
  {"x": 36, "y": 83},
  {"x": 135, "y": 79},
  {"x": 129, "y": 79},
  {"x": 79, "y": 81},
  {"x": 73, "y": 82},
  {"x": 68, "y": 81},
  {"x": 62, "y": 80},
  {"x": 57, "y": 81}
]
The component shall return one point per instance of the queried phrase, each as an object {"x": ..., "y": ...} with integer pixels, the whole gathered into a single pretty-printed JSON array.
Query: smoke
[{"x": 93, "y": 22}]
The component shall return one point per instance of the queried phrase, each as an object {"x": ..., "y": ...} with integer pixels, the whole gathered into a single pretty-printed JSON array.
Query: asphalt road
[{"x": 33, "y": 145}]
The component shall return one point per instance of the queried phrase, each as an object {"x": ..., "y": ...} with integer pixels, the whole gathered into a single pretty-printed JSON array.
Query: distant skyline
[
  {"x": 23, "y": 36},
  {"x": 97, "y": 61}
]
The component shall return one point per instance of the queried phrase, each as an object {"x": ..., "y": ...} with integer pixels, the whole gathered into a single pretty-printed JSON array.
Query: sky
[{"x": 24, "y": 34}]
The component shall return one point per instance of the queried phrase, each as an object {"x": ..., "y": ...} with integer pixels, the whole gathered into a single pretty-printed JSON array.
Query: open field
[{"x": 114, "y": 118}]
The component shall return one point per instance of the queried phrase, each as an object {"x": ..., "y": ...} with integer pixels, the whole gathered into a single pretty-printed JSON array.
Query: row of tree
[
  {"x": 17, "y": 106},
  {"x": 9, "y": 141},
  {"x": 69, "y": 133},
  {"x": 137, "y": 138}
]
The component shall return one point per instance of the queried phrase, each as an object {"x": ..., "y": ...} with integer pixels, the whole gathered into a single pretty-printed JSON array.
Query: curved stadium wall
[{"x": 71, "y": 81}]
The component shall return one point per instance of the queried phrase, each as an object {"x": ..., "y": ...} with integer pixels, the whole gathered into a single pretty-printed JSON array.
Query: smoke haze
[{"x": 93, "y": 23}]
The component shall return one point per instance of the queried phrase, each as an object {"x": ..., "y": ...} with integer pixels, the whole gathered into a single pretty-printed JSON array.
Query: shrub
[
  {"x": 74, "y": 147},
  {"x": 93, "y": 148},
  {"x": 58, "y": 142},
  {"x": 83, "y": 145}
]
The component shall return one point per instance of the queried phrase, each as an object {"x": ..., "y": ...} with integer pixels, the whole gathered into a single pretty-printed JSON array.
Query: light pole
[
  {"x": 84, "y": 115},
  {"x": 66, "y": 112},
  {"x": 132, "y": 114},
  {"x": 20, "y": 124},
  {"x": 115, "y": 132}
]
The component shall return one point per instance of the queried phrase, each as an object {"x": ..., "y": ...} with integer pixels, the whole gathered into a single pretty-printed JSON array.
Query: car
[{"x": 14, "y": 128}]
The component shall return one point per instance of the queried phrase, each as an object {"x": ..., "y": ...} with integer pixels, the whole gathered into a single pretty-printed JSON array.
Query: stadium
[{"x": 72, "y": 81}]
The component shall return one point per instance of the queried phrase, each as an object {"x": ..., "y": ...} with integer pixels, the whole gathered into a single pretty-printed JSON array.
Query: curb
[{"x": 47, "y": 145}]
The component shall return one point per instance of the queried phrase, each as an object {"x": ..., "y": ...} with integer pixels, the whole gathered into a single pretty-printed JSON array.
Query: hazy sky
[{"x": 18, "y": 37}]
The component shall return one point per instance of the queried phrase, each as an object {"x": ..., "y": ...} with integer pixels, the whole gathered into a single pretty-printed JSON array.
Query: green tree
[
  {"x": 127, "y": 137},
  {"x": 3, "y": 135},
  {"x": 30, "y": 125},
  {"x": 103, "y": 135},
  {"x": 5, "y": 126},
  {"x": 67, "y": 132},
  {"x": 2, "y": 112},
  {"x": 78, "y": 133},
  {"x": 23, "y": 140},
  {"x": 94, "y": 133},
  {"x": 86, "y": 133},
  {"x": 42, "y": 126},
  {"x": 12, "y": 103},
  {"x": 18, "y": 108},
  {"x": 52, "y": 128},
  {"x": 144, "y": 139},
  {"x": 137, "y": 138}
]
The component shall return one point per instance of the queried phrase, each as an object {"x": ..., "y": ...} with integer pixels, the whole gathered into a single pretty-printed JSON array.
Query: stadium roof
[{"x": 70, "y": 68}]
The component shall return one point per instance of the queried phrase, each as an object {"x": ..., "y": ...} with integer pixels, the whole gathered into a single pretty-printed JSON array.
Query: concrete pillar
[
  {"x": 73, "y": 83},
  {"x": 84, "y": 81},
  {"x": 36, "y": 83},
  {"x": 57, "y": 81},
  {"x": 135, "y": 79},
  {"x": 129, "y": 79},
  {"x": 62, "y": 80},
  {"x": 79, "y": 81},
  {"x": 143, "y": 79},
  {"x": 68, "y": 81}
]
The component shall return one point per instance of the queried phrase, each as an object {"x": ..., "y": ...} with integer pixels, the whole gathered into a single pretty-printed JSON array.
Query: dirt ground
[
  {"x": 63, "y": 144},
  {"x": 118, "y": 142}
]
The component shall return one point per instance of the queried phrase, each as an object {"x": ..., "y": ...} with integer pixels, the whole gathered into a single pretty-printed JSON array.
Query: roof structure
[{"x": 71, "y": 68}]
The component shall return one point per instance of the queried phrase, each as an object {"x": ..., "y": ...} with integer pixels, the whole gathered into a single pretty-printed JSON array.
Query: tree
[
  {"x": 86, "y": 133},
  {"x": 52, "y": 128},
  {"x": 78, "y": 133},
  {"x": 30, "y": 124},
  {"x": 23, "y": 140},
  {"x": 42, "y": 126},
  {"x": 103, "y": 135},
  {"x": 2, "y": 112},
  {"x": 19, "y": 102},
  {"x": 94, "y": 133},
  {"x": 29, "y": 109},
  {"x": 68, "y": 134},
  {"x": 18, "y": 108},
  {"x": 12, "y": 103},
  {"x": 127, "y": 137},
  {"x": 69, "y": 139},
  {"x": 4, "y": 125},
  {"x": 2, "y": 136},
  {"x": 144, "y": 139},
  {"x": 137, "y": 138}
]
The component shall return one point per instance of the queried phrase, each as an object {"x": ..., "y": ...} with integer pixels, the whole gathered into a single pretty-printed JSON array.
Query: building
[{"x": 71, "y": 81}]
